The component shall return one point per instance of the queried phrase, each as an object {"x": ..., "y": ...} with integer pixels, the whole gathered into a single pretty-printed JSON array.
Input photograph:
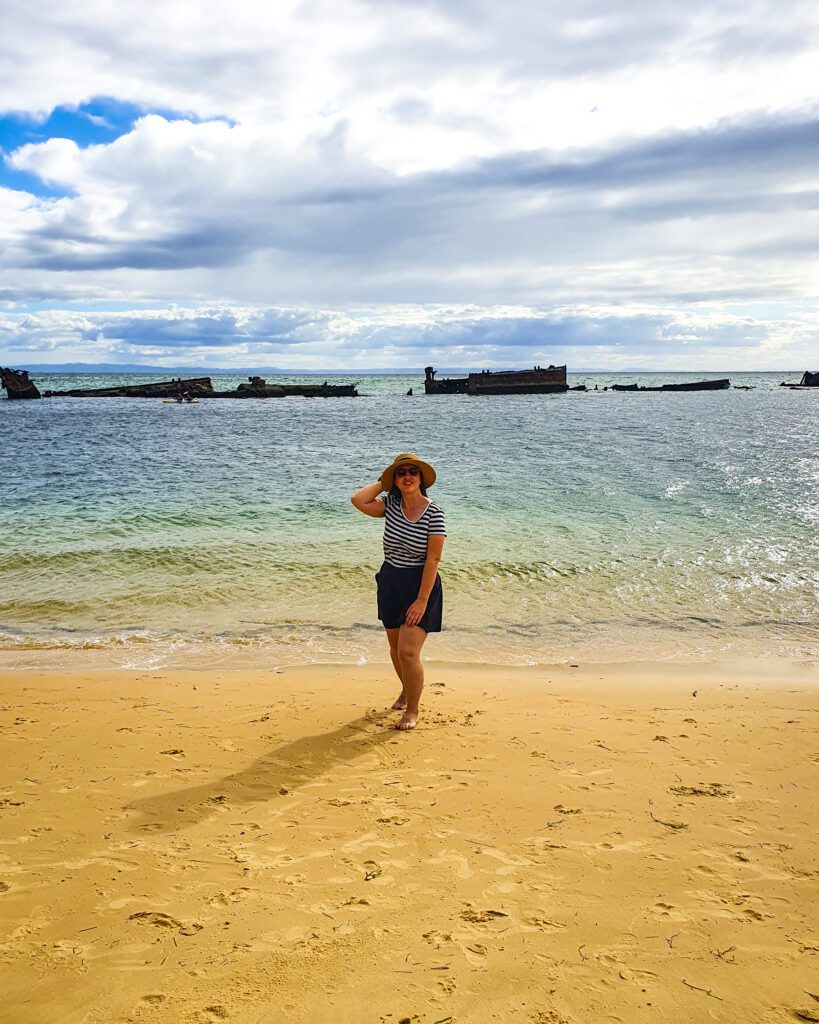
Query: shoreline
[
  {"x": 252, "y": 658},
  {"x": 672, "y": 675},
  {"x": 550, "y": 845}
]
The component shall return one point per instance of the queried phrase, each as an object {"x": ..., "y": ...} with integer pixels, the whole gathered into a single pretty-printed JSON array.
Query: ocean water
[{"x": 591, "y": 527}]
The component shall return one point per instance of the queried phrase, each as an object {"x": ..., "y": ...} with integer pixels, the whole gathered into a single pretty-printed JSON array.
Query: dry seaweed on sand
[{"x": 676, "y": 825}]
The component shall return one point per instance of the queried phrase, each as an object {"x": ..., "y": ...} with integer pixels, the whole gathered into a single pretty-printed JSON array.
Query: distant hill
[
  {"x": 209, "y": 371},
  {"x": 271, "y": 371}
]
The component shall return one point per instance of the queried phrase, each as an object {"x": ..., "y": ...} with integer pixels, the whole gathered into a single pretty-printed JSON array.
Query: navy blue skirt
[{"x": 398, "y": 588}]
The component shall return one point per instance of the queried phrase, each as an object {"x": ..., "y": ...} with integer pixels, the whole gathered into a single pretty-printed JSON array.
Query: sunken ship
[
  {"x": 810, "y": 379},
  {"x": 698, "y": 385},
  {"x": 537, "y": 381},
  {"x": 19, "y": 385},
  {"x": 541, "y": 380}
]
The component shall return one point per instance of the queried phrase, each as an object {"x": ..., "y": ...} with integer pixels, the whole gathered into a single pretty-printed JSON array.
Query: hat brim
[{"x": 428, "y": 474}]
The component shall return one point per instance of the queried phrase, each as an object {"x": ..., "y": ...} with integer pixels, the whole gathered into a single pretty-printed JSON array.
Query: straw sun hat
[{"x": 407, "y": 458}]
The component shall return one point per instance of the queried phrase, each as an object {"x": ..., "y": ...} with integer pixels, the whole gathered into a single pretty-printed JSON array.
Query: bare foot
[
  {"x": 409, "y": 721},
  {"x": 400, "y": 703}
]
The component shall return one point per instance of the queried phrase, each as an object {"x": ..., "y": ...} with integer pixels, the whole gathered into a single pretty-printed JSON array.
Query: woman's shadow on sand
[{"x": 269, "y": 777}]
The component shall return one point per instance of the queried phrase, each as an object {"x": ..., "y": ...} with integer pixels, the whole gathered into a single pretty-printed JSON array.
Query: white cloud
[{"x": 291, "y": 338}]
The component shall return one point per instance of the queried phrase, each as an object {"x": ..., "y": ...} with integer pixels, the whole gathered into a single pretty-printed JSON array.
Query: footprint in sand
[
  {"x": 756, "y": 915},
  {"x": 542, "y": 923},
  {"x": 160, "y": 920},
  {"x": 705, "y": 789},
  {"x": 461, "y": 863},
  {"x": 481, "y": 916},
  {"x": 809, "y": 1012},
  {"x": 224, "y": 899}
]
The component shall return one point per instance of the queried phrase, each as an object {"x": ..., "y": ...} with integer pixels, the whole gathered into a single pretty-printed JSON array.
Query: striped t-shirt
[{"x": 405, "y": 542}]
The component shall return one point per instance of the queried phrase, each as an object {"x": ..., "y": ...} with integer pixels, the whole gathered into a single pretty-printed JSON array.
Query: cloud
[
  {"x": 407, "y": 156},
  {"x": 305, "y": 339},
  {"x": 660, "y": 215},
  {"x": 98, "y": 121}
]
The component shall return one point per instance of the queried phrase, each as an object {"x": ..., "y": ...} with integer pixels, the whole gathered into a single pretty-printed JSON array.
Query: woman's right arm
[{"x": 366, "y": 500}]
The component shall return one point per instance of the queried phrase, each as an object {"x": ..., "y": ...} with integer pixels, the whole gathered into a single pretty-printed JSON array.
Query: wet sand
[{"x": 552, "y": 846}]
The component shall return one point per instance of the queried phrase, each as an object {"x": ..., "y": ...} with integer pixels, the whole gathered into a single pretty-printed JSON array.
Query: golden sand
[{"x": 551, "y": 845}]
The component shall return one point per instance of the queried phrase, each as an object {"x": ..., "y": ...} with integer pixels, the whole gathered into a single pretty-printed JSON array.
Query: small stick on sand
[{"x": 696, "y": 988}]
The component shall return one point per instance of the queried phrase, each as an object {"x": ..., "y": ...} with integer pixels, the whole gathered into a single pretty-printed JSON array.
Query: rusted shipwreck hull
[
  {"x": 537, "y": 381},
  {"x": 18, "y": 385},
  {"x": 197, "y": 387},
  {"x": 257, "y": 387},
  {"x": 697, "y": 385},
  {"x": 443, "y": 385},
  {"x": 809, "y": 380}
]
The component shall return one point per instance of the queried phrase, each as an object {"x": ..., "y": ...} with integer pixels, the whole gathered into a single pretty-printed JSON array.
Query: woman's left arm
[{"x": 435, "y": 547}]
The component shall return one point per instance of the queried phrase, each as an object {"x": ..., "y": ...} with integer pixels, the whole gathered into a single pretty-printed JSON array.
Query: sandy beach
[{"x": 551, "y": 845}]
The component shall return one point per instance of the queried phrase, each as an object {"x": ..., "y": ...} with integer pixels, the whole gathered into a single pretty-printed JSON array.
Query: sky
[{"x": 377, "y": 183}]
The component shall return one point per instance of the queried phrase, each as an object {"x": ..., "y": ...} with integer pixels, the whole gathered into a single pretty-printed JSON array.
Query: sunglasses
[{"x": 407, "y": 471}]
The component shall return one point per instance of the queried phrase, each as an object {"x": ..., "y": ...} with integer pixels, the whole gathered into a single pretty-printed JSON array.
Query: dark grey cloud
[
  {"x": 768, "y": 147},
  {"x": 70, "y": 247},
  {"x": 217, "y": 328}
]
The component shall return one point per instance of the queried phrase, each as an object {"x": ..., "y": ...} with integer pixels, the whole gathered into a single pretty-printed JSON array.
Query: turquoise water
[{"x": 593, "y": 526}]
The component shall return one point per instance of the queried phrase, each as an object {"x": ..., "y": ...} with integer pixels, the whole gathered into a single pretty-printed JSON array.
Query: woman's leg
[
  {"x": 410, "y": 641},
  {"x": 392, "y": 636}
]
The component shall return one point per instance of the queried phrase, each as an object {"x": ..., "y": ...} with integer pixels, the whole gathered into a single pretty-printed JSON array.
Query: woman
[{"x": 410, "y": 597}]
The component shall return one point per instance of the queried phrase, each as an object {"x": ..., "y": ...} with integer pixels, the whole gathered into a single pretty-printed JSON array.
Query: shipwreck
[
  {"x": 697, "y": 385},
  {"x": 809, "y": 380},
  {"x": 537, "y": 381},
  {"x": 19, "y": 385}
]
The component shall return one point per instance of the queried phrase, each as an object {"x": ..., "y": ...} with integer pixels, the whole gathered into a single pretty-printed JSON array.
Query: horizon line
[{"x": 379, "y": 370}]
